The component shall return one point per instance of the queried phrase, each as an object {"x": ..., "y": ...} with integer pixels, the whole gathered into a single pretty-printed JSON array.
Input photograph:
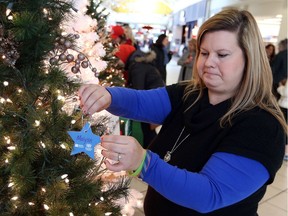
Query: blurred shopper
[
  {"x": 270, "y": 50},
  {"x": 118, "y": 34},
  {"x": 130, "y": 39},
  {"x": 163, "y": 56},
  {"x": 279, "y": 66},
  {"x": 124, "y": 48},
  {"x": 187, "y": 60},
  {"x": 283, "y": 103}
]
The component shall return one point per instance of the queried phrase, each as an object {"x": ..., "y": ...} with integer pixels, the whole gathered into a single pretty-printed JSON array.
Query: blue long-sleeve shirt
[{"x": 224, "y": 180}]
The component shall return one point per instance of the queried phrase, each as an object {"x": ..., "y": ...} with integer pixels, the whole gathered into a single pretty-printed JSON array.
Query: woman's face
[
  {"x": 165, "y": 41},
  {"x": 220, "y": 64},
  {"x": 269, "y": 50}
]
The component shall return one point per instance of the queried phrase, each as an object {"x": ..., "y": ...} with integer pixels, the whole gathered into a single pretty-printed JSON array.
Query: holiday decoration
[
  {"x": 112, "y": 74},
  {"x": 61, "y": 54},
  {"x": 84, "y": 141},
  {"x": 39, "y": 176},
  {"x": 8, "y": 51}
]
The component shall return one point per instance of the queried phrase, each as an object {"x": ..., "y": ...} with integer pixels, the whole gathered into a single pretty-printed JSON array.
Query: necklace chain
[{"x": 168, "y": 154}]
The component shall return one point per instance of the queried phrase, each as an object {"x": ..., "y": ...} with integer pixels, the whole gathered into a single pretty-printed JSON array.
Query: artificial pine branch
[{"x": 38, "y": 175}]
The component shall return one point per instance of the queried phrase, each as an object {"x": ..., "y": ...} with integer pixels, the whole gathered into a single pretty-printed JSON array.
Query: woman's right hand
[{"x": 93, "y": 98}]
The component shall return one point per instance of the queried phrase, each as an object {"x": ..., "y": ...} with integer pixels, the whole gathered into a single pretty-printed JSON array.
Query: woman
[
  {"x": 186, "y": 61},
  {"x": 163, "y": 56},
  {"x": 222, "y": 137},
  {"x": 270, "y": 50}
]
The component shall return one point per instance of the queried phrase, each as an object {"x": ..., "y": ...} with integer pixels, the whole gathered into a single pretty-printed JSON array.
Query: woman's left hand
[{"x": 124, "y": 149}]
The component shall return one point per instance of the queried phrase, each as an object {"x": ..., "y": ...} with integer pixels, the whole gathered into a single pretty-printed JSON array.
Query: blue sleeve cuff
[{"x": 146, "y": 164}]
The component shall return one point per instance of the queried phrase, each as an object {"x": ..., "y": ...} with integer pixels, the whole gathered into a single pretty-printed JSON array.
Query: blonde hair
[
  {"x": 129, "y": 33},
  {"x": 256, "y": 85},
  {"x": 193, "y": 42}
]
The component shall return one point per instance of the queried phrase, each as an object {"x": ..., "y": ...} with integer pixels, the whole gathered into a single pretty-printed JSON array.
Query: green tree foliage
[{"x": 38, "y": 174}]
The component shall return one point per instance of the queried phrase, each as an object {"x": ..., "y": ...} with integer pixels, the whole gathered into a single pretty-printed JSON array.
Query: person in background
[
  {"x": 187, "y": 60},
  {"x": 118, "y": 35},
  {"x": 143, "y": 75},
  {"x": 222, "y": 137},
  {"x": 279, "y": 66},
  {"x": 140, "y": 73},
  {"x": 270, "y": 50},
  {"x": 123, "y": 48},
  {"x": 163, "y": 56},
  {"x": 129, "y": 36},
  {"x": 283, "y": 103}
]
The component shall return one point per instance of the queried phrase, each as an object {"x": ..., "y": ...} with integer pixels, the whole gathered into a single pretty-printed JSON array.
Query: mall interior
[
  {"x": 180, "y": 19},
  {"x": 51, "y": 64}
]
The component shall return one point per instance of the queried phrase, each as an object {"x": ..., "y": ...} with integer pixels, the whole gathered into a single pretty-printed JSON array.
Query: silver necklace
[{"x": 168, "y": 154}]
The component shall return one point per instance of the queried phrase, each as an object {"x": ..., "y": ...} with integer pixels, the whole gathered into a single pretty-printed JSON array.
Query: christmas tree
[
  {"x": 39, "y": 176},
  {"x": 112, "y": 75}
]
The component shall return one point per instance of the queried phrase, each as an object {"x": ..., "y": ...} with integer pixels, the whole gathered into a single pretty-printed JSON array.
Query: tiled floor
[{"x": 274, "y": 203}]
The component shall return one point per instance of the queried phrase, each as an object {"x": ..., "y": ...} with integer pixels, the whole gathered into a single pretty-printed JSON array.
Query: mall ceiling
[
  {"x": 161, "y": 7},
  {"x": 145, "y": 9},
  {"x": 165, "y": 7}
]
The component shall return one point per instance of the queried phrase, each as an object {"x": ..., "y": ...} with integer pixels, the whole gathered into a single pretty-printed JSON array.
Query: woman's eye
[
  {"x": 222, "y": 55},
  {"x": 204, "y": 53}
]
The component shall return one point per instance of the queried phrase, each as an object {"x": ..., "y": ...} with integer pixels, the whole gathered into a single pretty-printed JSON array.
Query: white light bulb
[
  {"x": 11, "y": 148},
  {"x": 46, "y": 207},
  {"x": 8, "y": 100},
  {"x": 14, "y": 198},
  {"x": 45, "y": 11},
  {"x": 64, "y": 176},
  {"x": 37, "y": 123},
  {"x": 42, "y": 144}
]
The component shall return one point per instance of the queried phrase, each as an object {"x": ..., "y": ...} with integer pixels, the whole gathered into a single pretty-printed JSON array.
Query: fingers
[
  {"x": 115, "y": 156},
  {"x": 125, "y": 150},
  {"x": 114, "y": 161},
  {"x": 115, "y": 167},
  {"x": 94, "y": 98}
]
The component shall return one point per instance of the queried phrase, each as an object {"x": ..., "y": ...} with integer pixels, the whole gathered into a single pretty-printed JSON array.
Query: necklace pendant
[{"x": 167, "y": 156}]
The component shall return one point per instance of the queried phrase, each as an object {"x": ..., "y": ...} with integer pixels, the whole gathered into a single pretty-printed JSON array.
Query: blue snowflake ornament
[{"x": 84, "y": 141}]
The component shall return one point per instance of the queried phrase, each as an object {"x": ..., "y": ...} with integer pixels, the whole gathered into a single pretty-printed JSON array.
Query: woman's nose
[{"x": 210, "y": 61}]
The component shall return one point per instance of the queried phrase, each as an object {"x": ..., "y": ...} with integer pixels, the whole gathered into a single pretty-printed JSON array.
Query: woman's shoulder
[
  {"x": 176, "y": 88},
  {"x": 259, "y": 119}
]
